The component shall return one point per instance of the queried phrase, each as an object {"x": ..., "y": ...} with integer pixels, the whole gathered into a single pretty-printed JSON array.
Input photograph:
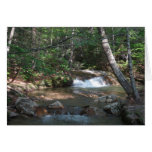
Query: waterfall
[{"x": 95, "y": 82}]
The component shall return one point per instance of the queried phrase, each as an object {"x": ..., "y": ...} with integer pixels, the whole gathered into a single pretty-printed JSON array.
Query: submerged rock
[
  {"x": 26, "y": 106},
  {"x": 56, "y": 105}
]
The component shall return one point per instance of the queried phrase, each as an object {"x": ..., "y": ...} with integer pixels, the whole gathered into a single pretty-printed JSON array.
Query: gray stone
[
  {"x": 26, "y": 106},
  {"x": 102, "y": 99},
  {"x": 133, "y": 114},
  {"x": 56, "y": 105},
  {"x": 109, "y": 100},
  {"x": 113, "y": 108},
  {"x": 12, "y": 114}
]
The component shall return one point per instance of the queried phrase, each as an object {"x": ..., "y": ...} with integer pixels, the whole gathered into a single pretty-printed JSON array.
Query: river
[{"x": 74, "y": 98}]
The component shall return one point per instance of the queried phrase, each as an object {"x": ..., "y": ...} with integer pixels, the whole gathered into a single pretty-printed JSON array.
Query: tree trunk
[
  {"x": 132, "y": 80},
  {"x": 72, "y": 49},
  {"x": 113, "y": 39},
  {"x": 33, "y": 36},
  {"x": 107, "y": 50},
  {"x": 10, "y": 38}
]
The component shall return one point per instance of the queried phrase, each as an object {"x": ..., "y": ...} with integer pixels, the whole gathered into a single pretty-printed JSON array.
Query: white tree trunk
[
  {"x": 10, "y": 38},
  {"x": 119, "y": 75}
]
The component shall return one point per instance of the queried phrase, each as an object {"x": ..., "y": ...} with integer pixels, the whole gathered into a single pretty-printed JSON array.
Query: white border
[{"x": 74, "y": 13}]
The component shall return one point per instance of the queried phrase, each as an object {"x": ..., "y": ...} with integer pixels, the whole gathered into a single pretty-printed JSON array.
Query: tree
[
  {"x": 119, "y": 75},
  {"x": 72, "y": 50},
  {"x": 132, "y": 80},
  {"x": 10, "y": 38}
]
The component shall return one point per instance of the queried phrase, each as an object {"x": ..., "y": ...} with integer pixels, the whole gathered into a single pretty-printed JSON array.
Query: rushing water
[
  {"x": 95, "y": 82},
  {"x": 74, "y": 98}
]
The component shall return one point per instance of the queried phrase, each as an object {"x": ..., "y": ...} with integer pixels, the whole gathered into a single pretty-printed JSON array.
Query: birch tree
[
  {"x": 108, "y": 52},
  {"x": 10, "y": 38}
]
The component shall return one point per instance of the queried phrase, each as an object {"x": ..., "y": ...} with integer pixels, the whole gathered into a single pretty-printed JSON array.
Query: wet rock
[
  {"x": 40, "y": 111},
  {"x": 113, "y": 108},
  {"x": 133, "y": 114},
  {"x": 102, "y": 99},
  {"x": 113, "y": 97},
  {"x": 11, "y": 114},
  {"x": 26, "y": 106},
  {"x": 88, "y": 111},
  {"x": 56, "y": 105},
  {"x": 108, "y": 99}
]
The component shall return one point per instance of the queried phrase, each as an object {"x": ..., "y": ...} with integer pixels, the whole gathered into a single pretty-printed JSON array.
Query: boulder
[
  {"x": 113, "y": 108},
  {"x": 108, "y": 99},
  {"x": 133, "y": 114},
  {"x": 56, "y": 105},
  {"x": 102, "y": 99},
  {"x": 112, "y": 97},
  {"x": 26, "y": 106},
  {"x": 89, "y": 111},
  {"x": 11, "y": 114}
]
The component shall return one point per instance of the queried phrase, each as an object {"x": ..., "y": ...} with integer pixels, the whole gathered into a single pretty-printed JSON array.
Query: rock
[
  {"x": 40, "y": 111},
  {"x": 56, "y": 105},
  {"x": 26, "y": 106},
  {"x": 113, "y": 97},
  {"x": 11, "y": 114},
  {"x": 113, "y": 108},
  {"x": 88, "y": 111},
  {"x": 102, "y": 99},
  {"x": 133, "y": 114},
  {"x": 109, "y": 100}
]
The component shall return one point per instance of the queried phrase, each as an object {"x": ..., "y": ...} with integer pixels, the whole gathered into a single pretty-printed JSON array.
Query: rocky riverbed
[{"x": 76, "y": 105}]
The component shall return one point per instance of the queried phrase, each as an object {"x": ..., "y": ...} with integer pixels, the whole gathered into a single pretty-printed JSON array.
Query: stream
[{"x": 74, "y": 98}]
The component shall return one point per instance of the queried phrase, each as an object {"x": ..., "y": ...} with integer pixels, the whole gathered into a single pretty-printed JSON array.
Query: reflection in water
[{"x": 67, "y": 120}]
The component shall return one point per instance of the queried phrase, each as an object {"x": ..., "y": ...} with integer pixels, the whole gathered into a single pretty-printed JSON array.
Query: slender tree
[
  {"x": 132, "y": 80},
  {"x": 72, "y": 50},
  {"x": 10, "y": 38},
  {"x": 107, "y": 50}
]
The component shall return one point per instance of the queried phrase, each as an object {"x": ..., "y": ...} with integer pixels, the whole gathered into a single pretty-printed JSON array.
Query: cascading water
[{"x": 95, "y": 82}]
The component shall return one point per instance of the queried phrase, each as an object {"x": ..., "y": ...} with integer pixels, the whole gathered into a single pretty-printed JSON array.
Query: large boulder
[
  {"x": 113, "y": 108},
  {"x": 26, "y": 106},
  {"x": 133, "y": 114},
  {"x": 56, "y": 105}
]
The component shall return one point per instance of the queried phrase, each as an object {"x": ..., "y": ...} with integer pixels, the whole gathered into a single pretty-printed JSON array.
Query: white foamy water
[{"x": 95, "y": 82}]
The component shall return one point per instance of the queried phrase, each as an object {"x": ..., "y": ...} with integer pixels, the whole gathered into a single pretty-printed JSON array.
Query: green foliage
[{"x": 53, "y": 63}]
